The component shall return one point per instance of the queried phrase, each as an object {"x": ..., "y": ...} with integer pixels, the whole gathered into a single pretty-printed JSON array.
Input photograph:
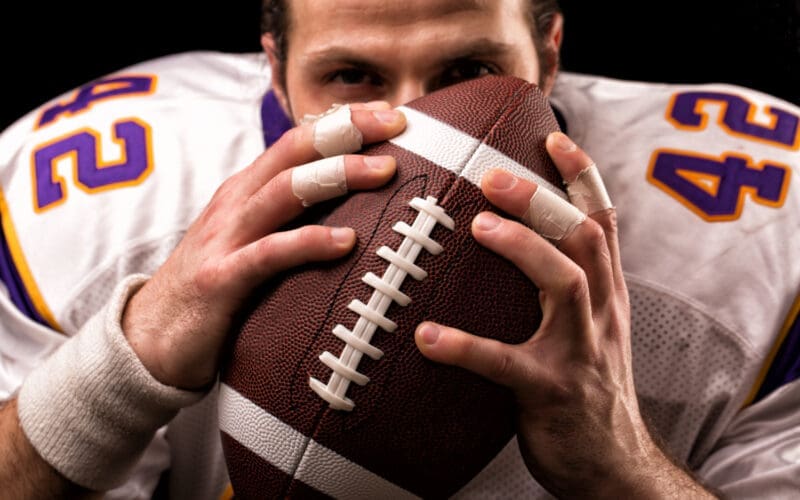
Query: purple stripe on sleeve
[
  {"x": 274, "y": 121},
  {"x": 16, "y": 290},
  {"x": 785, "y": 367}
]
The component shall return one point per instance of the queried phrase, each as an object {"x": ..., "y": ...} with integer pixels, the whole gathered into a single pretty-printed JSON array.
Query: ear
[
  {"x": 552, "y": 51},
  {"x": 278, "y": 72}
]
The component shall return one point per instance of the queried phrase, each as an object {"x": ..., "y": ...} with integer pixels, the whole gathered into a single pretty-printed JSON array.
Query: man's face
[{"x": 363, "y": 50}]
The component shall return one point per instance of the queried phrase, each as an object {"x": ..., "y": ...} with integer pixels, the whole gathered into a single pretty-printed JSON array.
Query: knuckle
[
  {"x": 205, "y": 280},
  {"x": 229, "y": 187},
  {"x": 268, "y": 247},
  {"x": 306, "y": 237},
  {"x": 576, "y": 287},
  {"x": 515, "y": 236},
  {"x": 295, "y": 137},
  {"x": 594, "y": 241},
  {"x": 608, "y": 220},
  {"x": 594, "y": 234},
  {"x": 274, "y": 192},
  {"x": 502, "y": 367}
]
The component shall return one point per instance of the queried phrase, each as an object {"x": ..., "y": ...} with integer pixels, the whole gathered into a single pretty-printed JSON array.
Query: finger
[
  {"x": 587, "y": 190},
  {"x": 584, "y": 184},
  {"x": 280, "y": 251},
  {"x": 496, "y": 361},
  {"x": 284, "y": 197},
  {"x": 299, "y": 145},
  {"x": 547, "y": 213},
  {"x": 570, "y": 160},
  {"x": 587, "y": 246},
  {"x": 562, "y": 282},
  {"x": 582, "y": 240}
]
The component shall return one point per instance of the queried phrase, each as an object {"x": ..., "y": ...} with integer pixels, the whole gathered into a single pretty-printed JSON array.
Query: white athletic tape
[
  {"x": 319, "y": 180},
  {"x": 588, "y": 192},
  {"x": 334, "y": 132},
  {"x": 551, "y": 216}
]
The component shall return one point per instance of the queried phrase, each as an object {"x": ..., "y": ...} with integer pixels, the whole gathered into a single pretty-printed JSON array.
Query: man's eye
[
  {"x": 465, "y": 70},
  {"x": 353, "y": 76}
]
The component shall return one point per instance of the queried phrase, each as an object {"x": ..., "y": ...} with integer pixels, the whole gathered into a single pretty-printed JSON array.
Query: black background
[{"x": 49, "y": 49}]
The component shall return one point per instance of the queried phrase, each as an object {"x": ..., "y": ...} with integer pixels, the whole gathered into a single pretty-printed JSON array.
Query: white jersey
[
  {"x": 706, "y": 180},
  {"x": 103, "y": 182}
]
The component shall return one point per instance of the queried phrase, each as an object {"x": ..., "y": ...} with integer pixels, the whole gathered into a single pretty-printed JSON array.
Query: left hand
[{"x": 580, "y": 430}]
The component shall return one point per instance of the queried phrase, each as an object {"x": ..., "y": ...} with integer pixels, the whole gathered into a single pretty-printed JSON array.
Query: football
[{"x": 323, "y": 392}]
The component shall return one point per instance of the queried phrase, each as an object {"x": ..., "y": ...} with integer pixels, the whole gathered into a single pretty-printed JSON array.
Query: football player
[{"x": 122, "y": 276}]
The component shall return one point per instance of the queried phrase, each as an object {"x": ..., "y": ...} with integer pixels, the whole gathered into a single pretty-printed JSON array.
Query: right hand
[{"x": 178, "y": 321}]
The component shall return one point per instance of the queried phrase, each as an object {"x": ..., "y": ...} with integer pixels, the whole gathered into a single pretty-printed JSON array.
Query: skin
[
  {"x": 580, "y": 429},
  {"x": 397, "y": 51}
]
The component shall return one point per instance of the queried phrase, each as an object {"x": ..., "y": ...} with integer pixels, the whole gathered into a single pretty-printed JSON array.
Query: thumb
[{"x": 489, "y": 358}]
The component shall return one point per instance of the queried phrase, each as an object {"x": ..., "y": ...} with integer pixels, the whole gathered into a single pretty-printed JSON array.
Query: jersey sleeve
[
  {"x": 759, "y": 454},
  {"x": 101, "y": 183}
]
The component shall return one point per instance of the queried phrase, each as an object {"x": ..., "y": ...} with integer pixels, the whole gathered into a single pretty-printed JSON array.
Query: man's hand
[
  {"x": 177, "y": 322},
  {"x": 579, "y": 426}
]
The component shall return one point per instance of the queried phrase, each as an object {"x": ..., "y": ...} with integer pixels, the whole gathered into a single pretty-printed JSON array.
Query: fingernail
[
  {"x": 379, "y": 105},
  {"x": 564, "y": 143},
  {"x": 500, "y": 179},
  {"x": 342, "y": 236},
  {"x": 487, "y": 221},
  {"x": 429, "y": 333},
  {"x": 377, "y": 162},
  {"x": 387, "y": 115}
]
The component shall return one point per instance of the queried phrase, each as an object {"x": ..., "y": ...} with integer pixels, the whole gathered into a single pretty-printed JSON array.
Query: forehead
[
  {"x": 399, "y": 22},
  {"x": 388, "y": 11}
]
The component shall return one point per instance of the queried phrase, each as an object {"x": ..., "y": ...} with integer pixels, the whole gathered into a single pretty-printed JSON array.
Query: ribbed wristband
[{"x": 91, "y": 409}]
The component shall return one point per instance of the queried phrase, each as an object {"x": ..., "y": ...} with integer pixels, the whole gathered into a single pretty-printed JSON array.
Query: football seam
[
  {"x": 386, "y": 291},
  {"x": 501, "y": 115},
  {"x": 321, "y": 331},
  {"x": 349, "y": 373}
]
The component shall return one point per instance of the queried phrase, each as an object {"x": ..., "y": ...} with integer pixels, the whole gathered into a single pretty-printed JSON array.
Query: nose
[{"x": 407, "y": 90}]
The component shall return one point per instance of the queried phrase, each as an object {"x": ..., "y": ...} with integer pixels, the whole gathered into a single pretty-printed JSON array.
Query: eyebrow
[{"x": 477, "y": 48}]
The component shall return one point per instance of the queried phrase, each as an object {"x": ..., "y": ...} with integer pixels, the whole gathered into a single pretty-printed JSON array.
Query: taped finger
[
  {"x": 588, "y": 192},
  {"x": 334, "y": 131},
  {"x": 319, "y": 181},
  {"x": 550, "y": 216}
]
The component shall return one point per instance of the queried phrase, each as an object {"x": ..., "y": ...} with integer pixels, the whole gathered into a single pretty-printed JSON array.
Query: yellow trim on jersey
[
  {"x": 72, "y": 157},
  {"x": 228, "y": 493},
  {"x": 122, "y": 144},
  {"x": 750, "y": 119},
  {"x": 701, "y": 181},
  {"x": 22, "y": 266},
  {"x": 793, "y": 315},
  {"x": 103, "y": 87}
]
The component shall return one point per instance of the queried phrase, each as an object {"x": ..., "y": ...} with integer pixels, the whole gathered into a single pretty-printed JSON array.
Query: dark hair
[
  {"x": 275, "y": 20},
  {"x": 540, "y": 18}
]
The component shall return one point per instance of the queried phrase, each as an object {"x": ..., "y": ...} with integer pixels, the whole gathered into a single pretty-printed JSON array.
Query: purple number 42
[
  {"x": 90, "y": 172},
  {"x": 715, "y": 188}
]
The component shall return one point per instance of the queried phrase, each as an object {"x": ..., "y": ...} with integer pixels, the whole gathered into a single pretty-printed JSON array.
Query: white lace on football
[{"x": 373, "y": 314}]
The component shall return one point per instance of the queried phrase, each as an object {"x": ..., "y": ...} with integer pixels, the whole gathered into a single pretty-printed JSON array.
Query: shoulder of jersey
[
  {"x": 582, "y": 97},
  {"x": 718, "y": 164},
  {"x": 201, "y": 76}
]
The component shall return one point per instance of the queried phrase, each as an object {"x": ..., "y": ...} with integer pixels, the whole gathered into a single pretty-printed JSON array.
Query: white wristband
[{"x": 92, "y": 408}]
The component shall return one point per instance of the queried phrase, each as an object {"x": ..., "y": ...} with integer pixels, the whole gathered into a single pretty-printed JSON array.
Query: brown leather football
[{"x": 324, "y": 392}]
